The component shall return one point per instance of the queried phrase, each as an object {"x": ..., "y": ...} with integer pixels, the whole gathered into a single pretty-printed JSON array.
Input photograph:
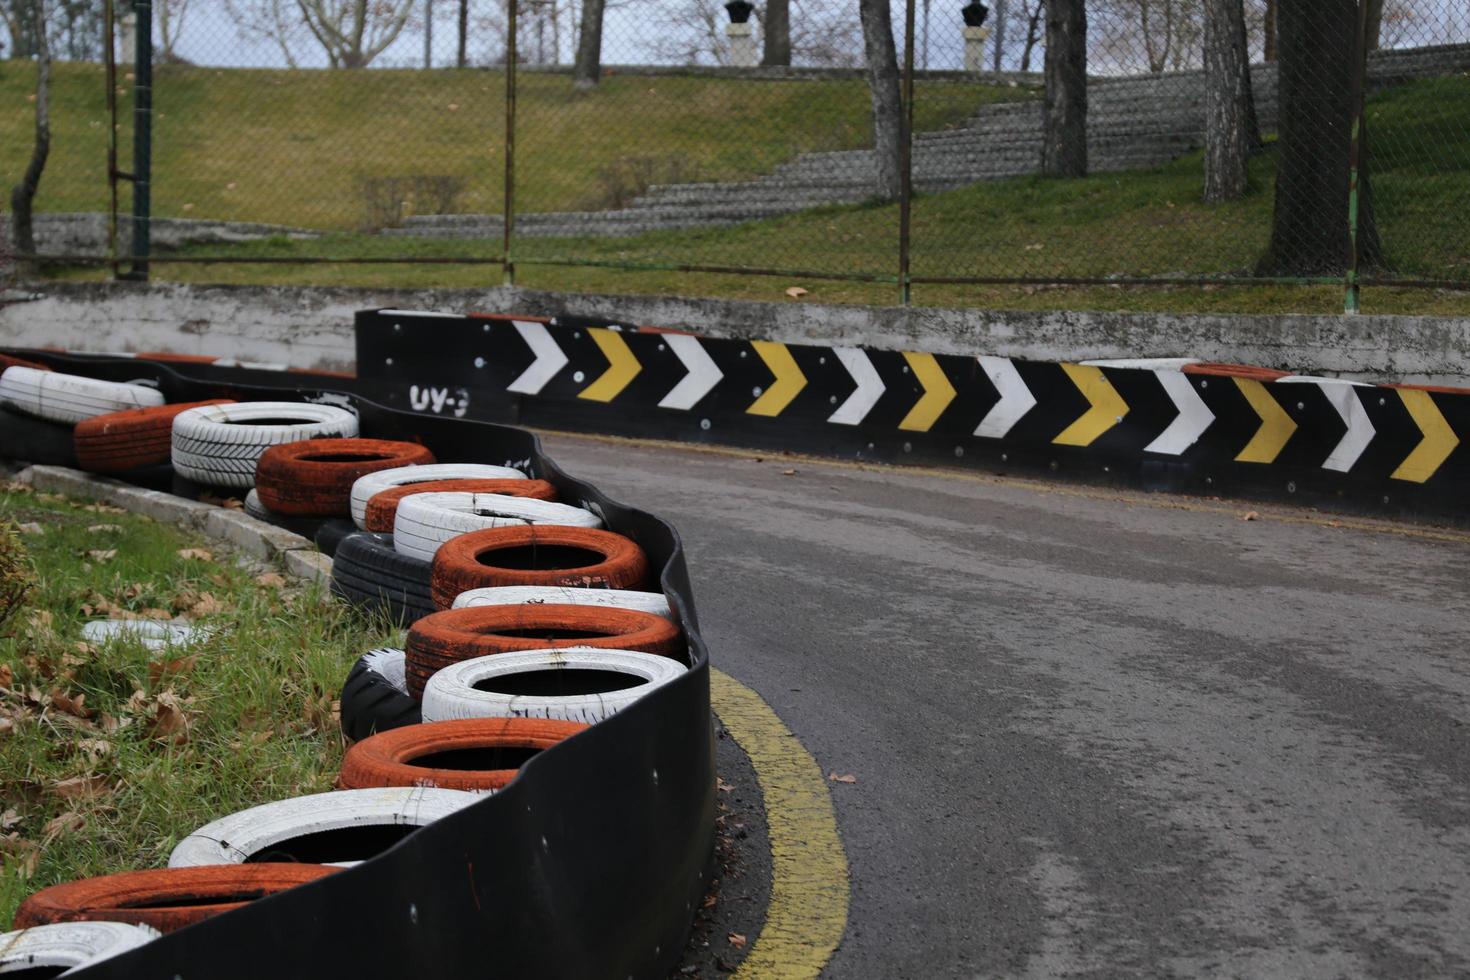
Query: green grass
[
  {"x": 254, "y": 702},
  {"x": 289, "y": 147}
]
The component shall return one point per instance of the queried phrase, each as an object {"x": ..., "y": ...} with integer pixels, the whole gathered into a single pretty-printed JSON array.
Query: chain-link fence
[{"x": 906, "y": 144}]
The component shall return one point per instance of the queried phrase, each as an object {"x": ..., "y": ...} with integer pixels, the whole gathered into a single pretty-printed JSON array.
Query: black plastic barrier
[
  {"x": 589, "y": 864},
  {"x": 1205, "y": 429}
]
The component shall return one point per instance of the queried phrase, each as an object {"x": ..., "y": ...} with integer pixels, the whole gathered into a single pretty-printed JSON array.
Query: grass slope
[{"x": 169, "y": 741}]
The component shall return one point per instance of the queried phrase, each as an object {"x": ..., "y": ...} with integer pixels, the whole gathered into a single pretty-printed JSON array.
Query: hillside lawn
[{"x": 1138, "y": 223}]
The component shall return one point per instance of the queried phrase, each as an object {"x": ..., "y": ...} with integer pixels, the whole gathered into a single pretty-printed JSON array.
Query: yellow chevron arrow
[
  {"x": 1108, "y": 407},
  {"x": 1438, "y": 442},
  {"x": 789, "y": 379},
  {"x": 1276, "y": 426},
  {"x": 938, "y": 393},
  {"x": 622, "y": 366}
]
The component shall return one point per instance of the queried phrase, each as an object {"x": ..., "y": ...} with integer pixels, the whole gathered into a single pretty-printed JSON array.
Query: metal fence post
[
  {"x": 1352, "y": 288},
  {"x": 109, "y": 63},
  {"x": 510, "y": 141},
  {"x": 142, "y": 138},
  {"x": 906, "y": 154}
]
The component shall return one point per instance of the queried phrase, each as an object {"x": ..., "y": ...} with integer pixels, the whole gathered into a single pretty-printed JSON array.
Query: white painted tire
[
  {"x": 254, "y": 507},
  {"x": 427, "y": 520},
  {"x": 521, "y": 595},
  {"x": 234, "y": 839},
  {"x": 215, "y": 445},
  {"x": 70, "y": 398},
  {"x": 390, "y": 664},
  {"x": 368, "y": 486},
  {"x": 451, "y": 693},
  {"x": 69, "y": 945}
]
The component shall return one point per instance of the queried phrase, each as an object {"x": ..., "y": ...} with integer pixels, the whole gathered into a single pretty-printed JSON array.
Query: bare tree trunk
[
  {"x": 1309, "y": 228},
  {"x": 464, "y": 29},
  {"x": 24, "y": 195},
  {"x": 1064, "y": 123},
  {"x": 588, "y": 69},
  {"x": 1230, "y": 106},
  {"x": 1268, "y": 54},
  {"x": 777, "y": 31},
  {"x": 882, "y": 69},
  {"x": 1375, "y": 24}
]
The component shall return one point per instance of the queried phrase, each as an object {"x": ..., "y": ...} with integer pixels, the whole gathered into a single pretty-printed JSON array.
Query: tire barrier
[
  {"x": 366, "y": 570},
  {"x": 340, "y": 828},
  {"x": 649, "y": 602},
  {"x": 307, "y": 527},
  {"x": 7, "y": 361},
  {"x": 330, "y": 535},
  {"x": 219, "y": 445},
  {"x": 375, "y": 697},
  {"x": 1167, "y": 424},
  {"x": 446, "y": 638},
  {"x": 369, "y": 486},
  {"x": 587, "y": 684},
  {"x": 165, "y": 899},
  {"x": 65, "y": 947},
  {"x": 427, "y": 520},
  {"x": 382, "y": 507},
  {"x": 69, "y": 398},
  {"x": 535, "y": 555},
  {"x": 130, "y": 439},
  {"x": 314, "y": 477},
  {"x": 529, "y": 871},
  {"x": 479, "y": 755}
]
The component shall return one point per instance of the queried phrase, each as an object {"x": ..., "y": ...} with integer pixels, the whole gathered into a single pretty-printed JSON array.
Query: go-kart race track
[{"x": 1094, "y": 732}]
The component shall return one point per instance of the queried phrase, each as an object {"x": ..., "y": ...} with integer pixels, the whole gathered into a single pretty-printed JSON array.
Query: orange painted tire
[
  {"x": 536, "y": 554},
  {"x": 383, "y": 507},
  {"x": 6, "y": 361},
  {"x": 314, "y": 477},
  {"x": 486, "y": 753},
  {"x": 169, "y": 357},
  {"x": 445, "y": 638},
  {"x": 164, "y": 898},
  {"x": 1247, "y": 371},
  {"x": 122, "y": 441}
]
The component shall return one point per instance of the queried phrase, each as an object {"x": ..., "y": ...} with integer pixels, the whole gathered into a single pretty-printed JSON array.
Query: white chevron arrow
[
  {"x": 1360, "y": 429},
  {"x": 549, "y": 358},
  {"x": 869, "y": 388},
  {"x": 1193, "y": 419},
  {"x": 703, "y": 373},
  {"x": 1015, "y": 398}
]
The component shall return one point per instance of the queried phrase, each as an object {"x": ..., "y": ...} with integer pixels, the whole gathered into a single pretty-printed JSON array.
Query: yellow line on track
[
  {"x": 807, "y": 914},
  {"x": 1164, "y": 501}
]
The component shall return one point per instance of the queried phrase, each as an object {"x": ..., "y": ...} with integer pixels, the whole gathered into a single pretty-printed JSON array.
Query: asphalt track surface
[{"x": 1096, "y": 733}]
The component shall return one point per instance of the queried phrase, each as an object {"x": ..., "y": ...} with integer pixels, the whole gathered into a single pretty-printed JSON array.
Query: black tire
[
  {"x": 366, "y": 571},
  {"x": 329, "y": 536},
  {"x": 307, "y": 527},
  {"x": 36, "y": 440},
  {"x": 371, "y": 702}
]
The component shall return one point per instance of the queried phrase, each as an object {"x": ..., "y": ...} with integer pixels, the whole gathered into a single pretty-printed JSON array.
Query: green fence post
[{"x": 142, "y": 137}]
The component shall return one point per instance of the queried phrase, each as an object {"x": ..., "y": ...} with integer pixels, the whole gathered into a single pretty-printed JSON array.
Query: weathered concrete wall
[{"x": 312, "y": 327}]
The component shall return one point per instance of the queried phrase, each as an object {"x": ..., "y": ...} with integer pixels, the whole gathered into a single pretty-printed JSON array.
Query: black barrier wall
[
  {"x": 1160, "y": 425},
  {"x": 589, "y": 864}
]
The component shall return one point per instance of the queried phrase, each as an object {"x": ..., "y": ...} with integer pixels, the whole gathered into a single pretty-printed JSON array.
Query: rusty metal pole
[
  {"x": 906, "y": 154},
  {"x": 1352, "y": 286},
  {"x": 510, "y": 141}
]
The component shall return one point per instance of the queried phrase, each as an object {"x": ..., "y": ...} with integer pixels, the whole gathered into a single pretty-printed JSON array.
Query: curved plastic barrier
[{"x": 591, "y": 864}]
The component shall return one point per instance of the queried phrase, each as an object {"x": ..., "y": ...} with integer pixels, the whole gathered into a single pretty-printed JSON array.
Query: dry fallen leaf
[
  {"x": 6, "y": 725},
  {"x": 1250, "y": 515},
  {"x": 71, "y": 704},
  {"x": 844, "y": 778},
  {"x": 271, "y": 580},
  {"x": 80, "y": 787},
  {"x": 795, "y": 292},
  {"x": 206, "y": 605},
  {"x": 7, "y": 677},
  {"x": 69, "y": 822},
  {"x": 27, "y": 854},
  {"x": 722, "y": 786},
  {"x": 737, "y": 940},
  {"x": 788, "y": 472},
  {"x": 195, "y": 553},
  {"x": 99, "y": 555},
  {"x": 104, "y": 528},
  {"x": 30, "y": 527},
  {"x": 169, "y": 718},
  {"x": 158, "y": 670},
  {"x": 9, "y": 819},
  {"x": 103, "y": 509}
]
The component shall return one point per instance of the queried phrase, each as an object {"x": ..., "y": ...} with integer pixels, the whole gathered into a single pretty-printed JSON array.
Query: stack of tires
[{"x": 528, "y": 622}]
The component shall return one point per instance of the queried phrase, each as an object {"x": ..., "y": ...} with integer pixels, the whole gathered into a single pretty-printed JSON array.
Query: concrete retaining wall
[{"x": 311, "y": 327}]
